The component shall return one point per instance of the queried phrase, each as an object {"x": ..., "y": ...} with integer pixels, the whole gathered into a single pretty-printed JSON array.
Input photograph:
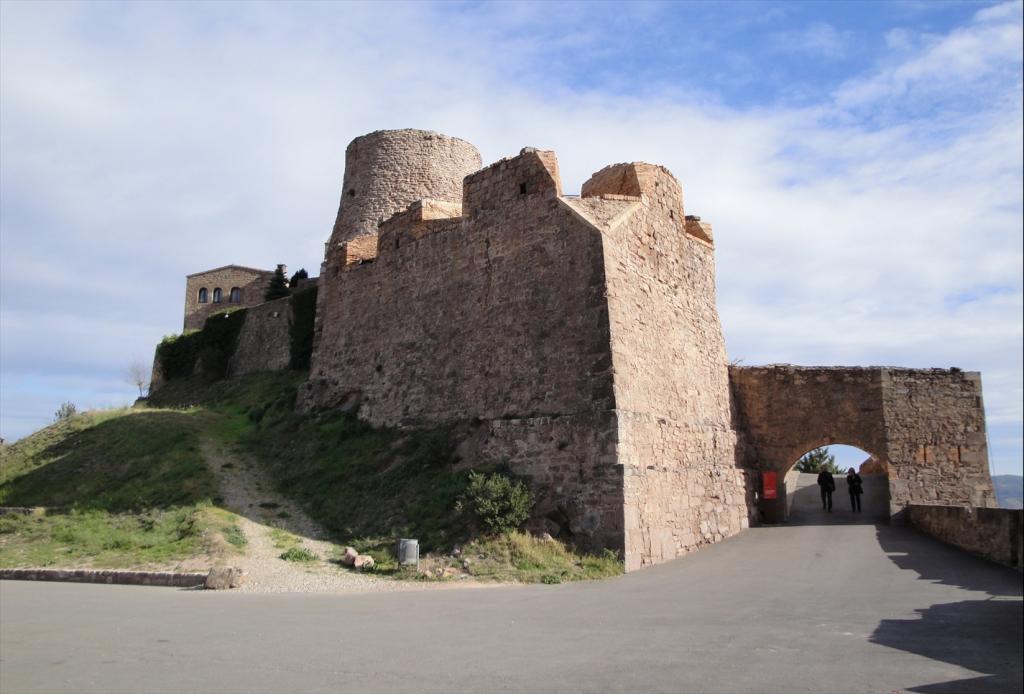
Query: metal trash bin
[{"x": 409, "y": 553}]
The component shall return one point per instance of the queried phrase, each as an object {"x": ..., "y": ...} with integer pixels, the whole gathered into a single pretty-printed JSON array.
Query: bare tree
[{"x": 138, "y": 375}]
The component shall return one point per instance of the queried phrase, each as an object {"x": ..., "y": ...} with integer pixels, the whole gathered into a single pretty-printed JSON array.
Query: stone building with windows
[{"x": 230, "y": 286}]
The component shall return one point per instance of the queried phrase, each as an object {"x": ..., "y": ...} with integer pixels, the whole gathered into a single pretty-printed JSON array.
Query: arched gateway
[{"x": 927, "y": 426}]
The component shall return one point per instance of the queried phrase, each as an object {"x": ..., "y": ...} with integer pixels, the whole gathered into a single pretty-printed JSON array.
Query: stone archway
[
  {"x": 803, "y": 498},
  {"x": 927, "y": 426}
]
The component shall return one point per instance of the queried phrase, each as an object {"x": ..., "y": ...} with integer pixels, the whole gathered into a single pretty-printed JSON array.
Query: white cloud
[
  {"x": 139, "y": 148},
  {"x": 988, "y": 47}
]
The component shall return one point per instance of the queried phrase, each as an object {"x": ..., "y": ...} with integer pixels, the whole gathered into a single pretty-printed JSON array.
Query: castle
[{"x": 576, "y": 340}]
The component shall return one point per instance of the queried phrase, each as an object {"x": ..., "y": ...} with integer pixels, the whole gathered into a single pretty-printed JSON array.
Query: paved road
[{"x": 808, "y": 608}]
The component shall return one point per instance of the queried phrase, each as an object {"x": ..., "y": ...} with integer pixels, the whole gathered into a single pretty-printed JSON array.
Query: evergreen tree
[
  {"x": 300, "y": 275},
  {"x": 278, "y": 286},
  {"x": 817, "y": 460}
]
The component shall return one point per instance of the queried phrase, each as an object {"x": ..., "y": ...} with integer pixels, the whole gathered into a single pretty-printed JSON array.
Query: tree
[
  {"x": 138, "y": 375},
  {"x": 300, "y": 275},
  {"x": 66, "y": 411},
  {"x": 817, "y": 460},
  {"x": 278, "y": 287}
]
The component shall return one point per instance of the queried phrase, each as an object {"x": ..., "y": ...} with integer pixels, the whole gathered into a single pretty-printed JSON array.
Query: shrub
[
  {"x": 298, "y": 554},
  {"x": 497, "y": 501},
  {"x": 234, "y": 535},
  {"x": 66, "y": 411}
]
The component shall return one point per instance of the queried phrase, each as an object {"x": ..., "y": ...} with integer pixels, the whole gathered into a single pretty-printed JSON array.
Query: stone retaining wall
[
  {"x": 993, "y": 533},
  {"x": 134, "y": 578}
]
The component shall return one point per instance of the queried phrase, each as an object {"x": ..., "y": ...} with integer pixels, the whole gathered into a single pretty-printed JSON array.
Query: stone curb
[{"x": 133, "y": 578}]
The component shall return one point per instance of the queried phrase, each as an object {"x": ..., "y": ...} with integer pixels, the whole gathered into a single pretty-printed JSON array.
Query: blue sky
[{"x": 861, "y": 162}]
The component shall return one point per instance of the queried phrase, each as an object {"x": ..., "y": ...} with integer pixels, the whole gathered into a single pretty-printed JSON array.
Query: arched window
[
  {"x": 217, "y": 295},
  {"x": 203, "y": 295},
  {"x": 235, "y": 296}
]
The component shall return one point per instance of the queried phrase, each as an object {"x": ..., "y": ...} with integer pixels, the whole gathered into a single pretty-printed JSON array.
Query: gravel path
[{"x": 248, "y": 493}]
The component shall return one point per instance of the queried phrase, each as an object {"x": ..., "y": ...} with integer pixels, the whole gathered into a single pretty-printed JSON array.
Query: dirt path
[{"x": 248, "y": 493}]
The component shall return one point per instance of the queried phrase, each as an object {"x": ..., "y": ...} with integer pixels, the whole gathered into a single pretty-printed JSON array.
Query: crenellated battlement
[
  {"x": 534, "y": 172},
  {"x": 421, "y": 218}
]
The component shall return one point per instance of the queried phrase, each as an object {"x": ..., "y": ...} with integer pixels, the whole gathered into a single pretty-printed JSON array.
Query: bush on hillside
[
  {"x": 67, "y": 410},
  {"x": 497, "y": 501}
]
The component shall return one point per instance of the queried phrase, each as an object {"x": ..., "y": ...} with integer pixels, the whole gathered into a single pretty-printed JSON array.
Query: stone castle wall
[
  {"x": 499, "y": 318},
  {"x": 252, "y": 283},
  {"x": 938, "y": 447},
  {"x": 682, "y": 485},
  {"x": 580, "y": 334},
  {"x": 264, "y": 342}
]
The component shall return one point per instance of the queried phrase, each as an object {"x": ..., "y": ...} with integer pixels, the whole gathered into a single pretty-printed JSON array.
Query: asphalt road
[{"x": 808, "y": 608}]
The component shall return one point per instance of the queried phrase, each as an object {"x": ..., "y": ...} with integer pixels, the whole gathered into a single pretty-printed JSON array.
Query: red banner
[{"x": 768, "y": 483}]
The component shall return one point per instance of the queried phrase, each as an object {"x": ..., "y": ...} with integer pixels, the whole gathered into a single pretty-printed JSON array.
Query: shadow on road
[{"x": 980, "y": 635}]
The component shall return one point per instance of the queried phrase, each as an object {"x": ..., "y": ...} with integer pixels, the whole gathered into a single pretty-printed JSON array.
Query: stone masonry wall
[
  {"x": 251, "y": 281},
  {"x": 938, "y": 448},
  {"x": 264, "y": 341},
  {"x": 682, "y": 486},
  {"x": 497, "y": 317},
  {"x": 992, "y": 533},
  {"x": 925, "y": 426}
]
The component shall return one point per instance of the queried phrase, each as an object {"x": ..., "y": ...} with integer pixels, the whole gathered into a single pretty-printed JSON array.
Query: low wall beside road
[{"x": 993, "y": 533}]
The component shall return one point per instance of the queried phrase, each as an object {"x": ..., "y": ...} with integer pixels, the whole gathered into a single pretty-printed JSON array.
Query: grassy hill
[
  {"x": 135, "y": 488},
  {"x": 119, "y": 487}
]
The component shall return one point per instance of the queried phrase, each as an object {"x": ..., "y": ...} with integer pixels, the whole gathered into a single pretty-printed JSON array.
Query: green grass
[
  {"x": 100, "y": 539},
  {"x": 300, "y": 554},
  {"x": 520, "y": 557},
  {"x": 366, "y": 486},
  {"x": 119, "y": 460},
  {"x": 126, "y": 487},
  {"x": 283, "y": 539}
]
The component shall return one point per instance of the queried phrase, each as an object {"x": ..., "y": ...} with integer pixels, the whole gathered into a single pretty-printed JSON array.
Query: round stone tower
[{"x": 388, "y": 170}]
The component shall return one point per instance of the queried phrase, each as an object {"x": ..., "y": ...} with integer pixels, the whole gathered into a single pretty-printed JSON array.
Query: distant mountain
[{"x": 1009, "y": 490}]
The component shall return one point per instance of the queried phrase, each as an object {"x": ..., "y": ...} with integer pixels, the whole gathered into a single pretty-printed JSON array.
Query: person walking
[
  {"x": 828, "y": 485},
  {"x": 855, "y": 485}
]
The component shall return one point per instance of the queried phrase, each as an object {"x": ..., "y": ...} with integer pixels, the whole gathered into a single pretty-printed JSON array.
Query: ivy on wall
[{"x": 209, "y": 349}]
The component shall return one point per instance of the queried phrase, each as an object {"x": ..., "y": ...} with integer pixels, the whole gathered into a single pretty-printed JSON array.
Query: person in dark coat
[
  {"x": 855, "y": 485},
  {"x": 828, "y": 485}
]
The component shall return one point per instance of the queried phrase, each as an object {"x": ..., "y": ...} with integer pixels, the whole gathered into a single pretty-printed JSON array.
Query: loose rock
[
  {"x": 350, "y": 556},
  {"x": 363, "y": 561},
  {"x": 224, "y": 577}
]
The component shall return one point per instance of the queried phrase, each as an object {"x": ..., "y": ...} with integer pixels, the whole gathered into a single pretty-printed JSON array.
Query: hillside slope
[
  {"x": 204, "y": 467},
  {"x": 121, "y": 487}
]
